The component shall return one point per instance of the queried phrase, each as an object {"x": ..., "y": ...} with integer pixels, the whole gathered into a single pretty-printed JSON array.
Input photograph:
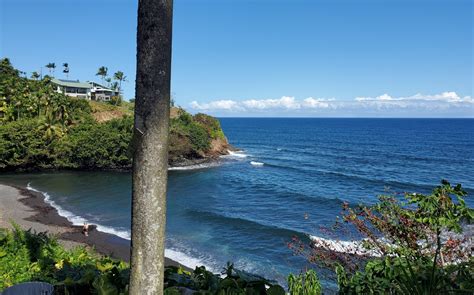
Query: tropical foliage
[
  {"x": 102, "y": 71},
  {"x": 21, "y": 98},
  {"x": 51, "y": 67},
  {"x": 407, "y": 245},
  {"x": 43, "y": 129},
  {"x": 27, "y": 256},
  {"x": 66, "y": 69},
  {"x": 304, "y": 283},
  {"x": 192, "y": 136}
]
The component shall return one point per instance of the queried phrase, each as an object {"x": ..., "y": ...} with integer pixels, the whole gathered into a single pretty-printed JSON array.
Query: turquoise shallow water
[{"x": 246, "y": 212}]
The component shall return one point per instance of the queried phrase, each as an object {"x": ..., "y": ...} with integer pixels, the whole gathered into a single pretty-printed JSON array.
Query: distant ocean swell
[
  {"x": 285, "y": 194},
  {"x": 248, "y": 225},
  {"x": 173, "y": 254},
  {"x": 374, "y": 182}
]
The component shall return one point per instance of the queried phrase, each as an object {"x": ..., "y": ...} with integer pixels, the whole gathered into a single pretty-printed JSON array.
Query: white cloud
[
  {"x": 384, "y": 97},
  {"x": 385, "y": 103},
  {"x": 285, "y": 102},
  {"x": 215, "y": 105},
  {"x": 445, "y": 96},
  {"x": 317, "y": 103}
]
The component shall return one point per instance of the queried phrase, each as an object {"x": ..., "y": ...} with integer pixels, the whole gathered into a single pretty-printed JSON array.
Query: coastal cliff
[
  {"x": 42, "y": 129},
  {"x": 195, "y": 139}
]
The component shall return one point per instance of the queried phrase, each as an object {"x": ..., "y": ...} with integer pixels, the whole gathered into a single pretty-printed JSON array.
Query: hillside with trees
[{"x": 43, "y": 129}]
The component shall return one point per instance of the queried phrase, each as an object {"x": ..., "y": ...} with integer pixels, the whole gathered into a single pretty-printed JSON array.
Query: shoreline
[
  {"x": 183, "y": 164},
  {"x": 29, "y": 210}
]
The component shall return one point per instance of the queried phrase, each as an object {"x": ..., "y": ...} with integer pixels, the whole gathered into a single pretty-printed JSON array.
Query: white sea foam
[
  {"x": 353, "y": 247},
  {"x": 254, "y": 163},
  {"x": 125, "y": 234},
  {"x": 236, "y": 154},
  {"x": 175, "y": 255},
  {"x": 74, "y": 219},
  {"x": 186, "y": 259},
  {"x": 195, "y": 167}
]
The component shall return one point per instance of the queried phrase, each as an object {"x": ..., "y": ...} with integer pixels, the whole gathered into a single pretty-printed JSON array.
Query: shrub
[
  {"x": 94, "y": 145},
  {"x": 411, "y": 246},
  {"x": 22, "y": 145},
  {"x": 211, "y": 124},
  {"x": 304, "y": 283},
  {"x": 199, "y": 137},
  {"x": 186, "y": 128},
  {"x": 27, "y": 256},
  {"x": 87, "y": 145}
]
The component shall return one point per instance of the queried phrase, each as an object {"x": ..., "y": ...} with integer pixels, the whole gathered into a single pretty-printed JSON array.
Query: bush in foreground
[
  {"x": 27, "y": 256},
  {"x": 406, "y": 245}
]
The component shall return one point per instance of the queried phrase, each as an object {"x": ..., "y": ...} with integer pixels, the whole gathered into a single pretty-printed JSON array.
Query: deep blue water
[{"x": 246, "y": 214}]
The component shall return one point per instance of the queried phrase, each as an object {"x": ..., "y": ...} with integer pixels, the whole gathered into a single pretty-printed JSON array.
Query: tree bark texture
[{"x": 150, "y": 160}]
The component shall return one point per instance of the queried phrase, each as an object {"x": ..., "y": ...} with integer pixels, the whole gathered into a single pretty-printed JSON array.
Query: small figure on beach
[{"x": 85, "y": 229}]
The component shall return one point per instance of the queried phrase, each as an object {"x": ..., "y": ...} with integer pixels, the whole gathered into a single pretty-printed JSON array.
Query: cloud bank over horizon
[{"x": 446, "y": 104}]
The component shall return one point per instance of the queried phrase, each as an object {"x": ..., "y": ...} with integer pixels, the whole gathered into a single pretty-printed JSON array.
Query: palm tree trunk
[
  {"x": 150, "y": 161},
  {"x": 118, "y": 96}
]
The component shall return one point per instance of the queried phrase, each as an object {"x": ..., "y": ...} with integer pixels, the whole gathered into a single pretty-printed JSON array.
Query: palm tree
[
  {"x": 150, "y": 161},
  {"x": 102, "y": 71},
  {"x": 51, "y": 66},
  {"x": 120, "y": 77},
  {"x": 50, "y": 129},
  {"x": 114, "y": 85},
  {"x": 66, "y": 69},
  {"x": 108, "y": 80},
  {"x": 60, "y": 109},
  {"x": 35, "y": 75}
]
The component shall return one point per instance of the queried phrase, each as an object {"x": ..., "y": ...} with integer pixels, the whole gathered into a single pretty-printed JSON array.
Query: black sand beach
[{"x": 29, "y": 210}]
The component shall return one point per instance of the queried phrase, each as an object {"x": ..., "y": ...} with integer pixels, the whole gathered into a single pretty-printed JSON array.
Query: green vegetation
[
  {"x": 102, "y": 71},
  {"x": 191, "y": 136},
  {"x": 304, "y": 284},
  {"x": 27, "y": 256},
  {"x": 413, "y": 246},
  {"x": 43, "y": 129},
  {"x": 66, "y": 69},
  {"x": 51, "y": 67}
]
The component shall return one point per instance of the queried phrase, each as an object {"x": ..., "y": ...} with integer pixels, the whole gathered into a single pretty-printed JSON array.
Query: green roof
[{"x": 71, "y": 83}]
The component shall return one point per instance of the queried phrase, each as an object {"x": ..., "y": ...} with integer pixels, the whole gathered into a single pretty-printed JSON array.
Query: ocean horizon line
[{"x": 388, "y": 118}]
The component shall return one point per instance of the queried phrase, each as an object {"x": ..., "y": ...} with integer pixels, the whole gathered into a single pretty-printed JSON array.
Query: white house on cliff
[{"x": 87, "y": 90}]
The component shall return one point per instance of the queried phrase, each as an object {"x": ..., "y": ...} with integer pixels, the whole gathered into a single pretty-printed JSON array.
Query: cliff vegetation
[{"x": 43, "y": 129}]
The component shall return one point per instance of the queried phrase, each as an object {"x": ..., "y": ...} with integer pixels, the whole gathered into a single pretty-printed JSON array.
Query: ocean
[{"x": 290, "y": 178}]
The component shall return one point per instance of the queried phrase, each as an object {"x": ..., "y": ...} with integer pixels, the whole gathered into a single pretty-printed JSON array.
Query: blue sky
[{"x": 269, "y": 58}]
